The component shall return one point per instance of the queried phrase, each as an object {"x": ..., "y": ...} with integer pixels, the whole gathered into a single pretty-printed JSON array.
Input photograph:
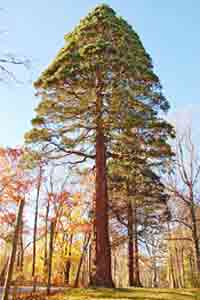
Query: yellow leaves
[{"x": 76, "y": 197}]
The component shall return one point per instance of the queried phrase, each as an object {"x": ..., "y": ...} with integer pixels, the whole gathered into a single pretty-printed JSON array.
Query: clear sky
[{"x": 169, "y": 31}]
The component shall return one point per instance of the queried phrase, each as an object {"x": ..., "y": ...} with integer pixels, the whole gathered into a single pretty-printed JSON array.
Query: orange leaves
[
  {"x": 61, "y": 197},
  {"x": 81, "y": 228},
  {"x": 14, "y": 182}
]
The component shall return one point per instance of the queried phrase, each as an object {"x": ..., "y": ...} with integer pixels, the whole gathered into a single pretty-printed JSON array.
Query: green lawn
[{"x": 135, "y": 294}]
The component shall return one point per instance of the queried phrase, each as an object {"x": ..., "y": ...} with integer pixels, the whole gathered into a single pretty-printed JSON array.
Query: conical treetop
[{"x": 106, "y": 41}]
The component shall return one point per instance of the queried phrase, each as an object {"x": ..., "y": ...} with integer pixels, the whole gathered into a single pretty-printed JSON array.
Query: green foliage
[{"x": 102, "y": 56}]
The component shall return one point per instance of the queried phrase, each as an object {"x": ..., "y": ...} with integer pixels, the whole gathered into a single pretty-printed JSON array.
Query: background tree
[
  {"x": 10, "y": 62},
  {"x": 183, "y": 184},
  {"x": 14, "y": 187}
]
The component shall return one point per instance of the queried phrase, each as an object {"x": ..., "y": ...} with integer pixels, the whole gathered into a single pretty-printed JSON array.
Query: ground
[{"x": 132, "y": 294}]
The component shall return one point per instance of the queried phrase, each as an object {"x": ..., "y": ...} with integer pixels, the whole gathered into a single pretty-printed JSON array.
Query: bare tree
[
  {"x": 9, "y": 62},
  {"x": 183, "y": 185}
]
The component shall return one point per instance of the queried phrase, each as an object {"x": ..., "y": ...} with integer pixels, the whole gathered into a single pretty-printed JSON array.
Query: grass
[{"x": 132, "y": 294}]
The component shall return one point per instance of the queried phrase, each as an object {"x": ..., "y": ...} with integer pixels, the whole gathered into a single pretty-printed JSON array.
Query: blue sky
[{"x": 169, "y": 31}]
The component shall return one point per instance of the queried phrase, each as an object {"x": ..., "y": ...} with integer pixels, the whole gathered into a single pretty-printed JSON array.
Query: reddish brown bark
[
  {"x": 103, "y": 273},
  {"x": 103, "y": 252}
]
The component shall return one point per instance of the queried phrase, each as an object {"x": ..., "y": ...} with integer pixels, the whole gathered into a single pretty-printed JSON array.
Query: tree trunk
[
  {"x": 13, "y": 251},
  {"x": 155, "y": 273},
  {"x": 21, "y": 266},
  {"x": 50, "y": 257},
  {"x": 115, "y": 266},
  {"x": 195, "y": 239},
  {"x": 92, "y": 248},
  {"x": 85, "y": 246},
  {"x": 46, "y": 239},
  {"x": 20, "y": 254},
  {"x": 92, "y": 262},
  {"x": 137, "y": 267},
  {"x": 130, "y": 245},
  {"x": 68, "y": 262},
  {"x": 137, "y": 282},
  {"x": 183, "y": 267},
  {"x": 103, "y": 275},
  {"x": 35, "y": 228},
  {"x": 174, "y": 281},
  {"x": 192, "y": 271},
  {"x": 179, "y": 273},
  {"x": 3, "y": 272}
]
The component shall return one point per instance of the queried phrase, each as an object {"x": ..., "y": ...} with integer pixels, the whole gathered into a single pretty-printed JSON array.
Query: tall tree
[{"x": 100, "y": 84}]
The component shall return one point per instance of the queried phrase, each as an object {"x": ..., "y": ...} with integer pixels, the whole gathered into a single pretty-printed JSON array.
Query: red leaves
[
  {"x": 61, "y": 197},
  {"x": 8, "y": 218},
  {"x": 15, "y": 183},
  {"x": 15, "y": 153}
]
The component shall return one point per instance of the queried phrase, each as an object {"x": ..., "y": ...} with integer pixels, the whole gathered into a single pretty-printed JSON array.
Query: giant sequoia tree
[{"x": 100, "y": 87}]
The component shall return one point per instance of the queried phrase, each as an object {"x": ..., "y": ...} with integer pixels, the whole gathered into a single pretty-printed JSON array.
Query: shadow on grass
[{"x": 129, "y": 293}]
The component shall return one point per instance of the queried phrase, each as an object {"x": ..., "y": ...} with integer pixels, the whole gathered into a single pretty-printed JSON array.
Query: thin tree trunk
[
  {"x": 115, "y": 266},
  {"x": 130, "y": 244},
  {"x": 174, "y": 279},
  {"x": 178, "y": 257},
  {"x": 3, "y": 272},
  {"x": 183, "y": 267},
  {"x": 91, "y": 262},
  {"x": 103, "y": 276},
  {"x": 192, "y": 270},
  {"x": 155, "y": 273},
  {"x": 52, "y": 228},
  {"x": 92, "y": 249},
  {"x": 84, "y": 251},
  {"x": 83, "y": 278},
  {"x": 137, "y": 268},
  {"x": 68, "y": 262},
  {"x": 195, "y": 239},
  {"x": 13, "y": 251},
  {"x": 35, "y": 228},
  {"x": 20, "y": 254},
  {"x": 136, "y": 250},
  {"x": 171, "y": 264},
  {"x": 46, "y": 239}
]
